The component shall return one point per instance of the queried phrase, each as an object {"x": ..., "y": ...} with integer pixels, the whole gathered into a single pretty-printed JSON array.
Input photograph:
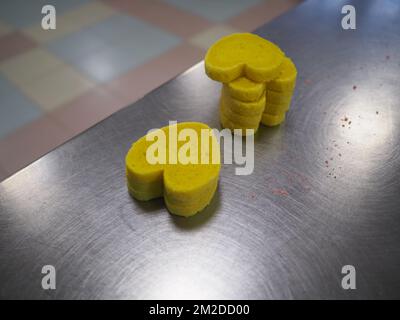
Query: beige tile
[
  {"x": 29, "y": 66},
  {"x": 59, "y": 86},
  {"x": 71, "y": 21},
  {"x": 207, "y": 37},
  {"x": 4, "y": 28},
  {"x": 90, "y": 13}
]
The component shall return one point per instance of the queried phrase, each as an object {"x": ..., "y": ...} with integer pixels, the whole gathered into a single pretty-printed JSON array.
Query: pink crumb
[{"x": 280, "y": 192}]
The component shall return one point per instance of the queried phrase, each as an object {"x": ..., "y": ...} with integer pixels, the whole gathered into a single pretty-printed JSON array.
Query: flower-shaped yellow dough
[
  {"x": 180, "y": 165},
  {"x": 243, "y": 55},
  {"x": 286, "y": 81},
  {"x": 245, "y": 90}
]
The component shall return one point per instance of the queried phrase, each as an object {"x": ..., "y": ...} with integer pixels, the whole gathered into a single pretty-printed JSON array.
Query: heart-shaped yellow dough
[
  {"x": 189, "y": 176},
  {"x": 243, "y": 55}
]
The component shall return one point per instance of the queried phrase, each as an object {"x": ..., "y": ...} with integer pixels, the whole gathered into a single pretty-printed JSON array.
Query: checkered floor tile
[{"x": 102, "y": 56}]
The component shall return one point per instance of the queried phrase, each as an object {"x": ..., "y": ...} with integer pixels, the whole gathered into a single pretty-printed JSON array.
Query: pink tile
[
  {"x": 260, "y": 14},
  {"x": 30, "y": 143},
  {"x": 136, "y": 83},
  {"x": 14, "y": 43},
  {"x": 163, "y": 15},
  {"x": 87, "y": 110}
]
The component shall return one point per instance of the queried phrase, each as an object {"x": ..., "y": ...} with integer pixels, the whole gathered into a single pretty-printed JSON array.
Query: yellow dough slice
[
  {"x": 272, "y": 120},
  {"x": 276, "y": 109},
  {"x": 243, "y": 121},
  {"x": 145, "y": 181},
  {"x": 286, "y": 81},
  {"x": 245, "y": 90},
  {"x": 249, "y": 109},
  {"x": 182, "y": 207},
  {"x": 229, "y": 124},
  {"x": 187, "y": 184},
  {"x": 277, "y": 97},
  {"x": 149, "y": 193},
  {"x": 243, "y": 55}
]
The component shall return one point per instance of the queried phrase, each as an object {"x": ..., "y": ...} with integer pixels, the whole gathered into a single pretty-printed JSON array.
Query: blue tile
[
  {"x": 113, "y": 46},
  {"x": 15, "y": 109},
  {"x": 23, "y": 13},
  {"x": 77, "y": 45},
  {"x": 214, "y": 10}
]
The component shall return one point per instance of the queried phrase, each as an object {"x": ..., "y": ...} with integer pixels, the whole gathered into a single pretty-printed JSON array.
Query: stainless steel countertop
[{"x": 71, "y": 208}]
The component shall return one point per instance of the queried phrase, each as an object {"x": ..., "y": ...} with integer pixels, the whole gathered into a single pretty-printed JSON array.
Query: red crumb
[
  {"x": 280, "y": 192},
  {"x": 307, "y": 81}
]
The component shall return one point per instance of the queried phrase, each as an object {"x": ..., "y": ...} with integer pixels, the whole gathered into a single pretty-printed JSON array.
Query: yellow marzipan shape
[
  {"x": 186, "y": 188},
  {"x": 243, "y": 55}
]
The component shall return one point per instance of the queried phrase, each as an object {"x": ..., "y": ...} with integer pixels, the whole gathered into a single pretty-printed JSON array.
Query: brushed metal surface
[{"x": 283, "y": 232}]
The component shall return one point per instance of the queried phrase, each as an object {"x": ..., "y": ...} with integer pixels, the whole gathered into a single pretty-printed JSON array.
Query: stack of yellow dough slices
[
  {"x": 279, "y": 94},
  {"x": 258, "y": 81},
  {"x": 180, "y": 171}
]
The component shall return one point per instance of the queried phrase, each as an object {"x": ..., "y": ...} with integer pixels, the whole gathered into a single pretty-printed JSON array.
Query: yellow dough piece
[
  {"x": 241, "y": 120},
  {"x": 187, "y": 188},
  {"x": 245, "y": 90},
  {"x": 182, "y": 209},
  {"x": 248, "y": 109},
  {"x": 286, "y": 81},
  {"x": 229, "y": 124},
  {"x": 272, "y": 120},
  {"x": 243, "y": 55},
  {"x": 276, "y": 109},
  {"x": 277, "y": 97}
]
